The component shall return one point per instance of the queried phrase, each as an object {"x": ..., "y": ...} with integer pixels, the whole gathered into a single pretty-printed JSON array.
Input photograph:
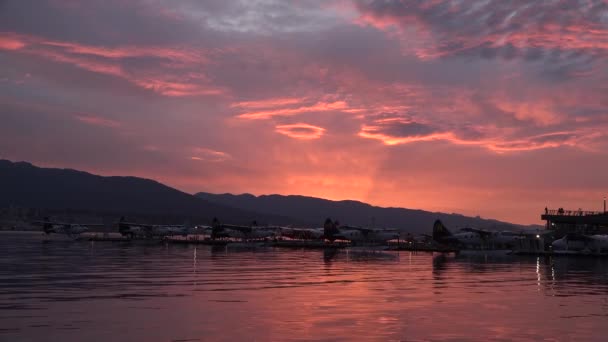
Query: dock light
[{"x": 537, "y": 236}]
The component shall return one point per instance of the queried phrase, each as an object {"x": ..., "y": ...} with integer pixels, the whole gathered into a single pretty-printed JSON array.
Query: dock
[
  {"x": 108, "y": 238},
  {"x": 568, "y": 221},
  {"x": 429, "y": 249},
  {"x": 309, "y": 244},
  {"x": 559, "y": 254}
]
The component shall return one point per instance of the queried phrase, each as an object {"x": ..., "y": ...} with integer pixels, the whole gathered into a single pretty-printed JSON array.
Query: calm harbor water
[{"x": 104, "y": 291}]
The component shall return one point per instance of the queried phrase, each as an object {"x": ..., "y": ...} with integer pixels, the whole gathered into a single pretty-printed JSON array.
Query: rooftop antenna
[{"x": 604, "y": 204}]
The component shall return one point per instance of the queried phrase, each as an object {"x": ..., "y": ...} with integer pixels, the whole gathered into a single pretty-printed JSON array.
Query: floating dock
[
  {"x": 108, "y": 238},
  {"x": 414, "y": 247},
  {"x": 309, "y": 244},
  {"x": 208, "y": 242},
  {"x": 559, "y": 253}
]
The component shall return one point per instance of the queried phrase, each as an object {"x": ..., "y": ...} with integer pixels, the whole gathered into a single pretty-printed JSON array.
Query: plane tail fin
[
  {"x": 123, "y": 227},
  {"x": 330, "y": 229},
  {"x": 47, "y": 226},
  {"x": 216, "y": 228},
  {"x": 440, "y": 232}
]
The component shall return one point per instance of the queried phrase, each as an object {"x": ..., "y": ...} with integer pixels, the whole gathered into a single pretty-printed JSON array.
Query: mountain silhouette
[
  {"x": 50, "y": 189},
  {"x": 27, "y": 186},
  {"x": 354, "y": 213}
]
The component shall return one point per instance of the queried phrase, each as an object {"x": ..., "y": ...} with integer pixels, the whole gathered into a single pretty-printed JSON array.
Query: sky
[{"x": 493, "y": 108}]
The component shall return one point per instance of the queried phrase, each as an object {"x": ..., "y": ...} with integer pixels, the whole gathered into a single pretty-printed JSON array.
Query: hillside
[
  {"x": 27, "y": 186},
  {"x": 351, "y": 212}
]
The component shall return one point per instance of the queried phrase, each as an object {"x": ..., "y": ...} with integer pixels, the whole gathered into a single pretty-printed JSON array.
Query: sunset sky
[{"x": 493, "y": 108}]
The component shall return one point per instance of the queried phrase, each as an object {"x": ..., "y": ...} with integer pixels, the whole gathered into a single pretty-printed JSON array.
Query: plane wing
[
  {"x": 56, "y": 223},
  {"x": 579, "y": 237},
  {"x": 361, "y": 229},
  {"x": 478, "y": 231}
]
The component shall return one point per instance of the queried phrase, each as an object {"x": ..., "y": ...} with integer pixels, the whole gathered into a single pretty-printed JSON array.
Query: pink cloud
[
  {"x": 10, "y": 42},
  {"x": 177, "y": 89},
  {"x": 209, "y": 155},
  {"x": 177, "y": 82},
  {"x": 267, "y": 103},
  {"x": 395, "y": 132},
  {"x": 300, "y": 131},
  {"x": 97, "y": 121},
  {"x": 100, "y": 67},
  {"x": 181, "y": 55},
  {"x": 317, "y": 107}
]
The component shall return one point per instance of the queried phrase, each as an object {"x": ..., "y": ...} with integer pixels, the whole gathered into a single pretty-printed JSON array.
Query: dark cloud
[
  {"x": 111, "y": 22},
  {"x": 404, "y": 129},
  {"x": 499, "y": 28}
]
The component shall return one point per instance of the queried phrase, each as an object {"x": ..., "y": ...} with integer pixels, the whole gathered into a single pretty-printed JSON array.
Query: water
[{"x": 104, "y": 291}]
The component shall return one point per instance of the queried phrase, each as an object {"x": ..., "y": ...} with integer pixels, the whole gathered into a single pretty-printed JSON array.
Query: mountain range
[
  {"x": 27, "y": 186},
  {"x": 354, "y": 213}
]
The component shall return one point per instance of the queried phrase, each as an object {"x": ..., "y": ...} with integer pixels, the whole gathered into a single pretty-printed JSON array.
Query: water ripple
[{"x": 74, "y": 291}]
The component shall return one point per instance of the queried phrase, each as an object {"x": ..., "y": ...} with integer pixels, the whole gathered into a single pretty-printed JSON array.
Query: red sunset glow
[{"x": 484, "y": 109}]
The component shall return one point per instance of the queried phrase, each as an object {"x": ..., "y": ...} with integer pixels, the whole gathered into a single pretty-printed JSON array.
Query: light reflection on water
[{"x": 102, "y": 291}]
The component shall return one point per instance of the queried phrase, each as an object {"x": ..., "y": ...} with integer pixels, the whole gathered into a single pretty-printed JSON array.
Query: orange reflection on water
[{"x": 162, "y": 293}]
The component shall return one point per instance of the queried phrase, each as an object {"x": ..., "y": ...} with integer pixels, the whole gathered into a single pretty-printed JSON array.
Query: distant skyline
[{"x": 492, "y": 108}]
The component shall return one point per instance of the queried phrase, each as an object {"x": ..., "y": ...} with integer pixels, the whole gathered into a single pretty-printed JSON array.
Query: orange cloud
[
  {"x": 300, "y": 131},
  {"x": 268, "y": 103},
  {"x": 209, "y": 155},
  {"x": 498, "y": 143},
  {"x": 87, "y": 64},
  {"x": 371, "y": 132},
  {"x": 8, "y": 42},
  {"x": 182, "y": 55},
  {"x": 104, "y": 60},
  {"x": 177, "y": 89}
]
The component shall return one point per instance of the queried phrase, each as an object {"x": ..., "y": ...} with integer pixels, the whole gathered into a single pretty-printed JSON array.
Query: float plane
[
  {"x": 72, "y": 230},
  {"x": 251, "y": 232},
  {"x": 138, "y": 230},
  {"x": 302, "y": 233},
  {"x": 334, "y": 231},
  {"x": 473, "y": 238},
  {"x": 581, "y": 243}
]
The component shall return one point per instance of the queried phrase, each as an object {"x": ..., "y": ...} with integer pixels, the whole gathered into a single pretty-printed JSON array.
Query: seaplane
[
  {"x": 251, "y": 232},
  {"x": 71, "y": 230},
  {"x": 579, "y": 243},
  {"x": 148, "y": 231},
  {"x": 302, "y": 233},
  {"x": 332, "y": 231},
  {"x": 474, "y": 238}
]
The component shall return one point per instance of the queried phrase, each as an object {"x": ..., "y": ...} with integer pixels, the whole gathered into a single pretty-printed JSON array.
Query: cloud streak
[
  {"x": 209, "y": 155},
  {"x": 176, "y": 80},
  {"x": 397, "y": 131},
  {"x": 300, "y": 131},
  {"x": 97, "y": 121},
  {"x": 316, "y": 107}
]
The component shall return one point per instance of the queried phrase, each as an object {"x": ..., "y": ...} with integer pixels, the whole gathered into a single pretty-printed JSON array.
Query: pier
[{"x": 562, "y": 222}]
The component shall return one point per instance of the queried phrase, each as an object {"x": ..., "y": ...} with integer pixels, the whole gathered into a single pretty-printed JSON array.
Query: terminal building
[{"x": 561, "y": 222}]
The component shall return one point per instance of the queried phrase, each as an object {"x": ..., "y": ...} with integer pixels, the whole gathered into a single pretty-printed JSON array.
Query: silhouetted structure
[{"x": 562, "y": 222}]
